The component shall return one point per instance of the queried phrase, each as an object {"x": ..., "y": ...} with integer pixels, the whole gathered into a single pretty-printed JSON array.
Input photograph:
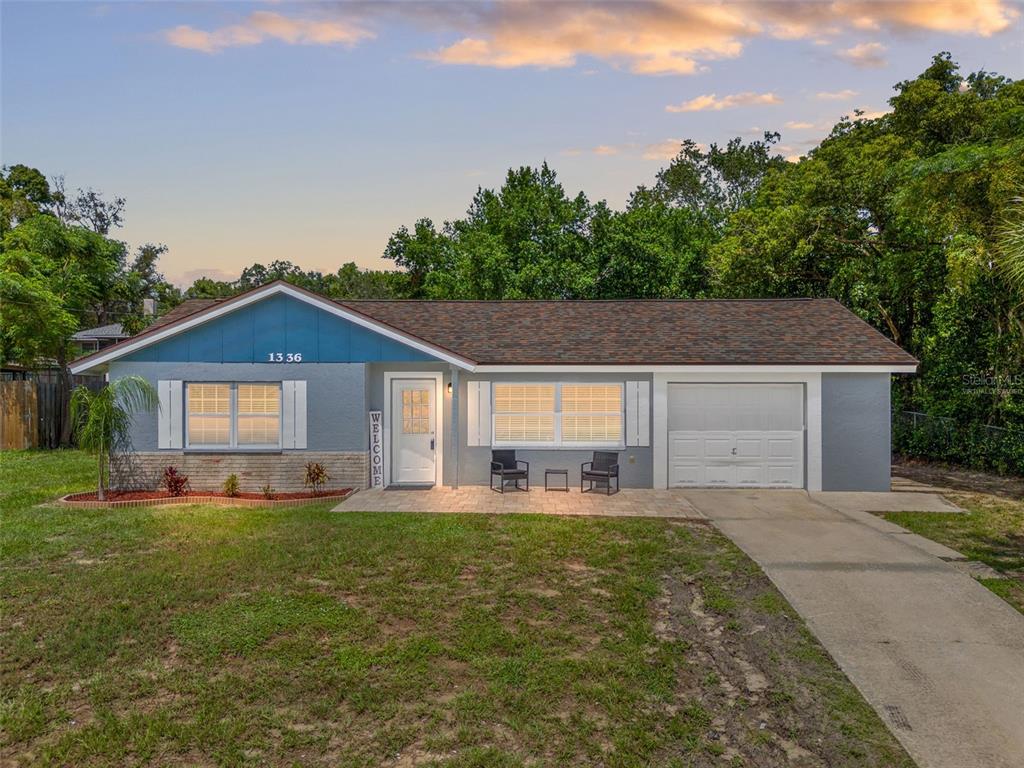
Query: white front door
[{"x": 413, "y": 442}]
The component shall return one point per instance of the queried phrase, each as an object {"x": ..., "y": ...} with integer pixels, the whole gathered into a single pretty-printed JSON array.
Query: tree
[
  {"x": 67, "y": 274},
  {"x": 897, "y": 218},
  {"x": 142, "y": 281},
  {"x": 352, "y": 282},
  {"x": 649, "y": 251},
  {"x": 87, "y": 208},
  {"x": 34, "y": 320},
  {"x": 526, "y": 240},
  {"x": 24, "y": 192},
  {"x": 103, "y": 420},
  {"x": 718, "y": 181},
  {"x": 208, "y": 288}
]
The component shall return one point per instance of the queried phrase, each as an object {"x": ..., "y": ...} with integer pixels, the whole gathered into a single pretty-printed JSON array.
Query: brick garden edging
[{"x": 225, "y": 501}]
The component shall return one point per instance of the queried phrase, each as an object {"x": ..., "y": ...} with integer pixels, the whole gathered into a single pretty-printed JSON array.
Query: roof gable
[
  {"x": 278, "y": 325},
  {"x": 257, "y": 326}
]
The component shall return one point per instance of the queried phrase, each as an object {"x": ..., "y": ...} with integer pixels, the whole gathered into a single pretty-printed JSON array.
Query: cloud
[
  {"x": 262, "y": 26},
  {"x": 865, "y": 55},
  {"x": 601, "y": 150},
  {"x": 674, "y": 37},
  {"x": 663, "y": 150},
  {"x": 798, "y": 125},
  {"x": 657, "y": 37},
  {"x": 647, "y": 38},
  {"x": 972, "y": 17},
  {"x": 844, "y": 95},
  {"x": 871, "y": 114},
  {"x": 711, "y": 102}
]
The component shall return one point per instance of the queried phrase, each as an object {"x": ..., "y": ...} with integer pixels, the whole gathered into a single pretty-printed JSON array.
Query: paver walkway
[
  {"x": 939, "y": 656},
  {"x": 480, "y": 499}
]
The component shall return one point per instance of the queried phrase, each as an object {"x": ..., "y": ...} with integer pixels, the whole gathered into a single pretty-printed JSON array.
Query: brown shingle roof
[
  {"x": 722, "y": 332},
  {"x": 661, "y": 332},
  {"x": 183, "y": 310}
]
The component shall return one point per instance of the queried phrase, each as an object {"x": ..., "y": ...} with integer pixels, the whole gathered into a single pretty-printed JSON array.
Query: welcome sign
[{"x": 376, "y": 449}]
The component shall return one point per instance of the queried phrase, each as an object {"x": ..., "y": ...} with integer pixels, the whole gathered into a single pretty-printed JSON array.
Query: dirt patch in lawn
[
  {"x": 959, "y": 479},
  {"x": 752, "y": 689}
]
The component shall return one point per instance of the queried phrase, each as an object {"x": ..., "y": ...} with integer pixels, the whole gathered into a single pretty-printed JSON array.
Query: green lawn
[
  {"x": 992, "y": 532},
  {"x": 222, "y": 636}
]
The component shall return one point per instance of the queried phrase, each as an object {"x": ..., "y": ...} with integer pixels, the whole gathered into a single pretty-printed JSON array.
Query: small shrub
[
  {"x": 316, "y": 476},
  {"x": 174, "y": 482},
  {"x": 231, "y": 485},
  {"x": 268, "y": 491}
]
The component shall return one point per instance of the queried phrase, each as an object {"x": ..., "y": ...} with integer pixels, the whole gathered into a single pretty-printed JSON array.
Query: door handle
[
  {"x": 733, "y": 451},
  {"x": 431, "y": 443}
]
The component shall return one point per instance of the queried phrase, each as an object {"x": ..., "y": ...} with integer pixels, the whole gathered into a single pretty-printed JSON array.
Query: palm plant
[
  {"x": 1011, "y": 244},
  {"x": 103, "y": 419}
]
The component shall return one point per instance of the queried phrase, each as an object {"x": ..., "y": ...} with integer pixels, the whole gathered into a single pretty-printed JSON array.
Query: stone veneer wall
[{"x": 208, "y": 471}]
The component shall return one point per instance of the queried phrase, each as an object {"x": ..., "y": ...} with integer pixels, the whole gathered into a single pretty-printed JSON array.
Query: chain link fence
[{"x": 977, "y": 446}]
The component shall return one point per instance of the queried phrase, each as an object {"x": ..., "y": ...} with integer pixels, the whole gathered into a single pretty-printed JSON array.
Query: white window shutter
[
  {"x": 631, "y": 412},
  {"x": 643, "y": 413},
  {"x": 485, "y": 413},
  {"x": 478, "y": 413},
  {"x": 293, "y": 414},
  {"x": 472, "y": 413},
  {"x": 169, "y": 421},
  {"x": 638, "y": 413},
  {"x": 300, "y": 414}
]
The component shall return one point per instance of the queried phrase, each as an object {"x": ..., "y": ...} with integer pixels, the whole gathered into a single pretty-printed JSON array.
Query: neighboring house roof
[
  {"x": 769, "y": 332},
  {"x": 109, "y": 331}
]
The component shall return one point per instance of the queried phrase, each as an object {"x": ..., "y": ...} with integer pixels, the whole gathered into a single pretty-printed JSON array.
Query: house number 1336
[{"x": 282, "y": 357}]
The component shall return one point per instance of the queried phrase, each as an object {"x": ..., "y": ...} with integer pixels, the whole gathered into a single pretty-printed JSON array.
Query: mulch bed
[
  {"x": 157, "y": 498},
  {"x": 146, "y": 495}
]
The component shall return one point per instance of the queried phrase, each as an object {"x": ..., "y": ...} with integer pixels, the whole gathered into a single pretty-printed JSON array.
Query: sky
[{"x": 242, "y": 133}]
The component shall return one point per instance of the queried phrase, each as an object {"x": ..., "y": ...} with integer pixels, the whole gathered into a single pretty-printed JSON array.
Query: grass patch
[
  {"x": 991, "y": 531},
  {"x": 225, "y": 636}
]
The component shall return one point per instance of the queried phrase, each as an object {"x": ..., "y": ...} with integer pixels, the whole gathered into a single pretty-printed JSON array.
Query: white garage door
[{"x": 736, "y": 435}]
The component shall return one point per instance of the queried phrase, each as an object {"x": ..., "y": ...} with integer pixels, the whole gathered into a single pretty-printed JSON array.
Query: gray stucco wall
[
  {"x": 636, "y": 464},
  {"x": 336, "y": 417},
  {"x": 474, "y": 461},
  {"x": 855, "y": 432}
]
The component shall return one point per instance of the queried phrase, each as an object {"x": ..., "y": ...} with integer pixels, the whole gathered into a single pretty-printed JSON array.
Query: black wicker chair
[
  {"x": 505, "y": 466},
  {"x": 602, "y": 469}
]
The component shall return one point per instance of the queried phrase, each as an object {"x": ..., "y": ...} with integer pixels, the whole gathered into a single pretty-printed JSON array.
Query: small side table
[{"x": 563, "y": 472}]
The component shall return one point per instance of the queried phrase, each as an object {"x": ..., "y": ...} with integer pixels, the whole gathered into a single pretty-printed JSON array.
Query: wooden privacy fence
[
  {"x": 34, "y": 407},
  {"x": 19, "y": 415}
]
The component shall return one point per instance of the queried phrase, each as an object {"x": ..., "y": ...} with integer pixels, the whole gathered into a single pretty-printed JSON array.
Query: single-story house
[
  {"x": 100, "y": 337},
  {"x": 789, "y": 393}
]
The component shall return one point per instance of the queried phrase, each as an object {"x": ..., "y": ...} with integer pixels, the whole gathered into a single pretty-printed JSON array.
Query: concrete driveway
[{"x": 938, "y": 656}]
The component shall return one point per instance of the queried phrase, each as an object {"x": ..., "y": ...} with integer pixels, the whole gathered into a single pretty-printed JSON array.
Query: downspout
[{"x": 455, "y": 426}]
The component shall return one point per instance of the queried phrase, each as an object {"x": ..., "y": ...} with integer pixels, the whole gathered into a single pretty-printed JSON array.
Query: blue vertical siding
[{"x": 278, "y": 324}]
